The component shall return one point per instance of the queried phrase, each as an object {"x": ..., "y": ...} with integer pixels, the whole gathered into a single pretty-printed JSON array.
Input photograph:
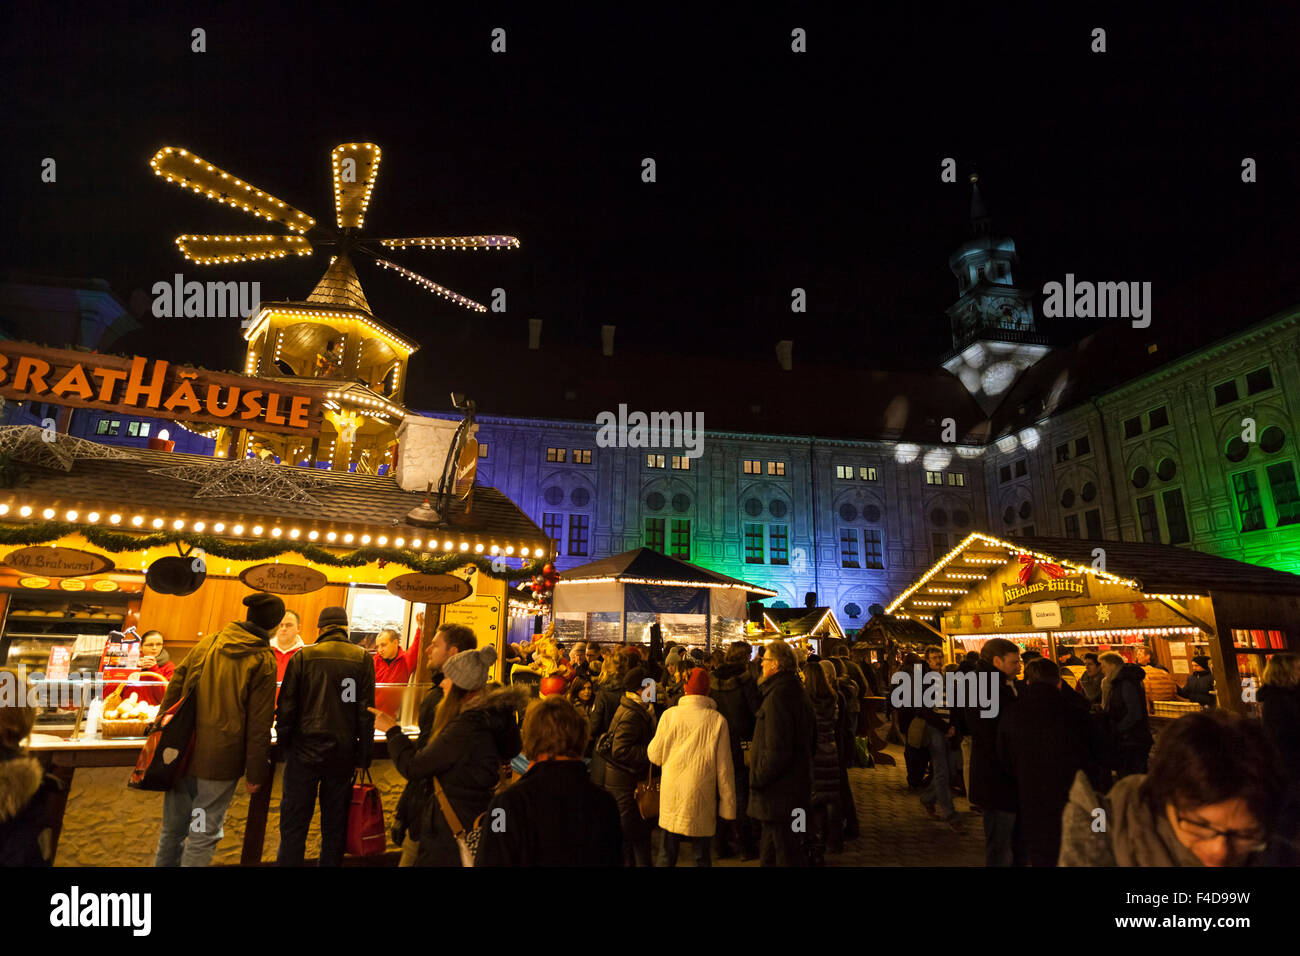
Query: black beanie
[
  {"x": 634, "y": 678},
  {"x": 332, "y": 616},
  {"x": 264, "y": 610}
]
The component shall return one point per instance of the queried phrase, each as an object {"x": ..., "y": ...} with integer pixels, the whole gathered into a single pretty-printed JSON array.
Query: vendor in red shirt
[
  {"x": 155, "y": 660},
  {"x": 392, "y": 664},
  {"x": 285, "y": 643}
]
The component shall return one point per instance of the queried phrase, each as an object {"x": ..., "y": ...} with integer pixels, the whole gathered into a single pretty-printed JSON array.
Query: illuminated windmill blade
[
  {"x": 453, "y": 242},
  {"x": 195, "y": 173},
  {"x": 355, "y": 167},
  {"x": 432, "y": 286},
  {"x": 216, "y": 250}
]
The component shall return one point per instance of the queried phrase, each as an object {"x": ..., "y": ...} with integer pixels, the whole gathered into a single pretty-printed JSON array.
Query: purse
[
  {"x": 165, "y": 756},
  {"x": 647, "y": 796},
  {"x": 365, "y": 818},
  {"x": 466, "y": 840}
]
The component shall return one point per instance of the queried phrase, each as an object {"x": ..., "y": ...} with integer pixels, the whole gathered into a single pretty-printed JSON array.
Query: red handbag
[{"x": 366, "y": 836}]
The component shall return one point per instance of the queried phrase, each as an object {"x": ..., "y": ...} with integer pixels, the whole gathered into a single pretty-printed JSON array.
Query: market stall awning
[
  {"x": 884, "y": 629},
  {"x": 802, "y": 621},
  {"x": 644, "y": 566}
]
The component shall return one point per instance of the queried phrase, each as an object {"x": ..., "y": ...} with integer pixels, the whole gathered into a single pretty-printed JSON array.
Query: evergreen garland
[{"x": 118, "y": 541}]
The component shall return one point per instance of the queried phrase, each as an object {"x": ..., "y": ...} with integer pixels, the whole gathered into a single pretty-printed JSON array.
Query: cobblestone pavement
[{"x": 896, "y": 831}]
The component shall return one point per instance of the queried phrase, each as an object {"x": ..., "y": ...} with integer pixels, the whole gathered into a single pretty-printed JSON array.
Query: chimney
[
  {"x": 785, "y": 354},
  {"x": 534, "y": 334},
  {"x": 607, "y": 340}
]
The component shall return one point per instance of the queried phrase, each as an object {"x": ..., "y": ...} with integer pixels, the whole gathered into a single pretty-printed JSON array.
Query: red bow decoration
[{"x": 1028, "y": 562}]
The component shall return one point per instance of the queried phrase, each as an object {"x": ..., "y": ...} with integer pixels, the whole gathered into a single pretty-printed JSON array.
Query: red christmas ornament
[
  {"x": 976, "y": 620},
  {"x": 548, "y": 568},
  {"x": 1139, "y": 610}
]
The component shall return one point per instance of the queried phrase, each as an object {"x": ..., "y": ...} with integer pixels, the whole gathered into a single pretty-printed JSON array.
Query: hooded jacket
[
  {"x": 235, "y": 702},
  {"x": 1126, "y": 707},
  {"x": 27, "y": 814},
  {"x": 736, "y": 693},
  {"x": 699, "y": 784},
  {"x": 466, "y": 758},
  {"x": 781, "y": 757},
  {"x": 326, "y": 729}
]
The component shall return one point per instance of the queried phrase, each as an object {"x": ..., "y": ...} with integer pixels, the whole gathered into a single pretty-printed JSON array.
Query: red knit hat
[{"x": 697, "y": 682}]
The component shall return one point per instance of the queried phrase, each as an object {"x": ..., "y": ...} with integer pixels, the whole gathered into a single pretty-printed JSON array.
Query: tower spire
[{"x": 979, "y": 216}]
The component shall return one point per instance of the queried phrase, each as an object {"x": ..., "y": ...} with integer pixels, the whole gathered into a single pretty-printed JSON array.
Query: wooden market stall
[
  {"x": 1058, "y": 595},
  {"x": 810, "y": 626}
]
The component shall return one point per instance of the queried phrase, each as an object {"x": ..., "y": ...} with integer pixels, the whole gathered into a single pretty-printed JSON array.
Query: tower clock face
[{"x": 1009, "y": 315}]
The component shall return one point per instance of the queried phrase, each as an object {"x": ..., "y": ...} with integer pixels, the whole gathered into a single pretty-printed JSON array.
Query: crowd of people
[{"x": 741, "y": 752}]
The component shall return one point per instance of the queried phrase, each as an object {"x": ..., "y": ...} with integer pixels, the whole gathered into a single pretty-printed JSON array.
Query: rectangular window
[
  {"x": 1157, "y": 418},
  {"x": 133, "y": 429},
  {"x": 867, "y": 473},
  {"x": 1175, "y": 516},
  {"x": 1022, "y": 468},
  {"x": 579, "y": 525},
  {"x": 1132, "y": 427},
  {"x": 957, "y": 479},
  {"x": 654, "y": 534},
  {"x": 1147, "y": 521},
  {"x": 102, "y": 427},
  {"x": 1063, "y": 453},
  {"x": 938, "y": 545},
  {"x": 849, "y": 548},
  {"x": 873, "y": 549},
  {"x": 1004, "y": 473},
  {"x": 553, "y": 526},
  {"x": 681, "y": 463},
  {"x": 1225, "y": 392},
  {"x": 582, "y": 456},
  {"x": 1082, "y": 446},
  {"x": 1260, "y": 380},
  {"x": 654, "y": 461},
  {"x": 753, "y": 544},
  {"x": 1092, "y": 520},
  {"x": 1250, "y": 504},
  {"x": 778, "y": 543},
  {"x": 681, "y": 543},
  {"x": 934, "y": 477},
  {"x": 114, "y": 427},
  {"x": 556, "y": 454},
  {"x": 753, "y": 467},
  {"x": 1286, "y": 496},
  {"x": 843, "y": 471},
  {"x": 482, "y": 449},
  {"x": 776, "y": 468},
  {"x": 144, "y": 429},
  {"x": 1072, "y": 526}
]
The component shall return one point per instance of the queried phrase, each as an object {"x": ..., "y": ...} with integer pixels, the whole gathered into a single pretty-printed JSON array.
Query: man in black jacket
[
  {"x": 326, "y": 730},
  {"x": 781, "y": 760},
  {"x": 992, "y": 787}
]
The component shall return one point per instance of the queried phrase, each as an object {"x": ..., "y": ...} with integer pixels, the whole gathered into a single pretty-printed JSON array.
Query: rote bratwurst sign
[{"x": 155, "y": 387}]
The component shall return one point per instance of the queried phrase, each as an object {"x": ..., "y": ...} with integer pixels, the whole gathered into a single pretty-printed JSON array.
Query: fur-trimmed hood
[{"x": 20, "y": 778}]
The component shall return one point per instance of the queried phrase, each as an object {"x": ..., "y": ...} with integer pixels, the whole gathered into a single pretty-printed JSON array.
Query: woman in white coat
[{"x": 693, "y": 746}]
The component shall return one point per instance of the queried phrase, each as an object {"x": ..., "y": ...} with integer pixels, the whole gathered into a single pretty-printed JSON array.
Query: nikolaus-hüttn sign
[
  {"x": 1041, "y": 590},
  {"x": 155, "y": 387}
]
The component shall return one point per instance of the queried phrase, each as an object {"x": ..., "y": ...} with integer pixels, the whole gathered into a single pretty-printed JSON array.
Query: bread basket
[{"x": 132, "y": 727}]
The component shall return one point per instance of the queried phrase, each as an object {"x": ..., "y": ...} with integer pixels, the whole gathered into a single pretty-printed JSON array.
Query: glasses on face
[{"x": 1251, "y": 841}]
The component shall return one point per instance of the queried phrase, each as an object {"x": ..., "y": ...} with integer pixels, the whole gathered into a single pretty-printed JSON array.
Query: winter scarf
[{"x": 1134, "y": 834}]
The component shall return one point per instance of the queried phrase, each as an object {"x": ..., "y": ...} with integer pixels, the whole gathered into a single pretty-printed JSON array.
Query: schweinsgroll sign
[
  {"x": 429, "y": 588},
  {"x": 155, "y": 387},
  {"x": 1038, "y": 590}
]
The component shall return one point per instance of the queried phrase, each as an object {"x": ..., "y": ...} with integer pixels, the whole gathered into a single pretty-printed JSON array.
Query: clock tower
[{"x": 994, "y": 337}]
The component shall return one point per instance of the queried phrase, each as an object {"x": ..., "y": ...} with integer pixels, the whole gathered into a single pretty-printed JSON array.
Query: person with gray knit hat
[{"x": 468, "y": 670}]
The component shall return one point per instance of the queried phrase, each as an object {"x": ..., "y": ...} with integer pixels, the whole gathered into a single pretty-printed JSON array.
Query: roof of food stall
[
  {"x": 334, "y": 500},
  {"x": 1151, "y": 568},
  {"x": 644, "y": 566},
  {"x": 900, "y": 630},
  {"x": 802, "y": 620}
]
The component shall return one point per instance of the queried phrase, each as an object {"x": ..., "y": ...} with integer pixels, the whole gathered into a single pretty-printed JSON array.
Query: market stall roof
[
  {"x": 1155, "y": 569},
  {"x": 901, "y": 630},
  {"x": 644, "y": 566},
  {"x": 813, "y": 621},
  {"x": 328, "y": 504}
]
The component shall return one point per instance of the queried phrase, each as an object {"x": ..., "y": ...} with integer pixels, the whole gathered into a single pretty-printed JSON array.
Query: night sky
[{"x": 775, "y": 169}]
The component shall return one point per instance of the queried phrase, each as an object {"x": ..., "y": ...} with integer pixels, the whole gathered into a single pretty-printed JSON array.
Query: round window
[
  {"x": 1141, "y": 477},
  {"x": 1067, "y": 498},
  {"x": 1009, "y": 515},
  {"x": 1088, "y": 492},
  {"x": 580, "y": 497},
  {"x": 777, "y": 507},
  {"x": 852, "y": 610},
  {"x": 753, "y": 507},
  {"x": 961, "y": 519},
  {"x": 681, "y": 503},
  {"x": 871, "y": 513},
  {"x": 848, "y": 512},
  {"x": 1166, "y": 470},
  {"x": 1236, "y": 449},
  {"x": 939, "y": 517},
  {"x": 1272, "y": 439},
  {"x": 1026, "y": 509},
  {"x": 654, "y": 501},
  {"x": 553, "y": 495}
]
